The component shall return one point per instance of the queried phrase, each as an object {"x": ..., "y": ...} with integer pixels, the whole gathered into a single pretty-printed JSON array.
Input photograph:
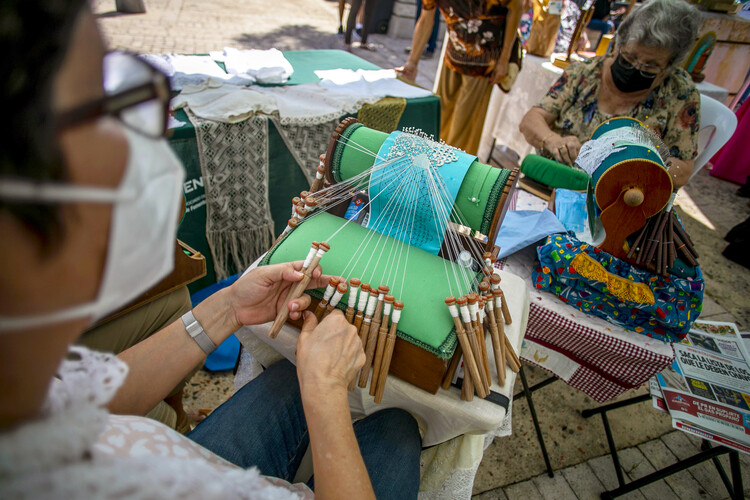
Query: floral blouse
[
  {"x": 672, "y": 109},
  {"x": 476, "y": 29}
]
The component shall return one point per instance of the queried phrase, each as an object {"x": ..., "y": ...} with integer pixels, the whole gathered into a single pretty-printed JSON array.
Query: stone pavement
[{"x": 512, "y": 466}]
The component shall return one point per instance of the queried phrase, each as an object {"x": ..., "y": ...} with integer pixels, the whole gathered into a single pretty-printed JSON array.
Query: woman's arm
[
  {"x": 160, "y": 362},
  {"x": 512, "y": 21},
  {"x": 418, "y": 42},
  {"x": 680, "y": 171},
  {"x": 535, "y": 127},
  {"x": 329, "y": 355}
]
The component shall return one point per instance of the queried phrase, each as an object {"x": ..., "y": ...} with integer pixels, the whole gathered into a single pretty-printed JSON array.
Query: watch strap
[{"x": 196, "y": 332}]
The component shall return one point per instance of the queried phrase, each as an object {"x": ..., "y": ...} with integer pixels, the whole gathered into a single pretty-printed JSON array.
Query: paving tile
[
  {"x": 554, "y": 488},
  {"x": 583, "y": 481},
  {"x": 496, "y": 494},
  {"x": 636, "y": 465},
  {"x": 705, "y": 473},
  {"x": 682, "y": 483},
  {"x": 604, "y": 470},
  {"x": 522, "y": 491}
]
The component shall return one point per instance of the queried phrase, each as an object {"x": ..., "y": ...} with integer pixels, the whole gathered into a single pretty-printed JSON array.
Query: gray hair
[{"x": 668, "y": 24}]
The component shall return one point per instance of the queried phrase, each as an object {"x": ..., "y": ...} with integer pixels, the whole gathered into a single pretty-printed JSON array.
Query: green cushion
[
  {"x": 421, "y": 282},
  {"x": 554, "y": 174},
  {"x": 483, "y": 183}
]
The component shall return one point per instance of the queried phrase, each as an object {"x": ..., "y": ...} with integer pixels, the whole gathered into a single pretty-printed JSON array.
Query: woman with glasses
[
  {"x": 640, "y": 77},
  {"x": 90, "y": 195}
]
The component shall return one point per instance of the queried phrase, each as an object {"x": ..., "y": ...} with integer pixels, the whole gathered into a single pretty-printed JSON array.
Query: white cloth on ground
[{"x": 75, "y": 449}]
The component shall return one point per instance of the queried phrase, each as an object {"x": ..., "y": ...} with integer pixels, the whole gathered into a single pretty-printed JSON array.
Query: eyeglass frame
[
  {"x": 646, "y": 74},
  {"x": 157, "y": 88}
]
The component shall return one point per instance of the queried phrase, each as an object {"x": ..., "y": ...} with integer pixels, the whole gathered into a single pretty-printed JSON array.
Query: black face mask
[{"x": 629, "y": 79}]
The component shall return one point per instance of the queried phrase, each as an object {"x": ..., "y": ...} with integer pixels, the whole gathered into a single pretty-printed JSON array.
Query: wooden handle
[
  {"x": 497, "y": 350},
  {"x": 369, "y": 352},
  {"x": 469, "y": 360},
  {"x": 376, "y": 362},
  {"x": 349, "y": 315},
  {"x": 385, "y": 366},
  {"x": 452, "y": 367},
  {"x": 294, "y": 293},
  {"x": 512, "y": 357},
  {"x": 506, "y": 311}
]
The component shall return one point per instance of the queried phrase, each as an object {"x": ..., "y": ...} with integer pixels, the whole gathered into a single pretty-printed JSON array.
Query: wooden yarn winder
[
  {"x": 382, "y": 274},
  {"x": 630, "y": 185}
]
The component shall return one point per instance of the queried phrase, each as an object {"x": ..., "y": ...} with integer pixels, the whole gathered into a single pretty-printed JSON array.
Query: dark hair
[{"x": 34, "y": 38}]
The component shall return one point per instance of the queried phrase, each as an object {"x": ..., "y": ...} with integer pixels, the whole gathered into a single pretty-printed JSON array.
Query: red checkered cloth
[{"x": 608, "y": 362}]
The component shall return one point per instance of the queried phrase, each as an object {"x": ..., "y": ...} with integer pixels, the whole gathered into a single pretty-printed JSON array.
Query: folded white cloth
[
  {"x": 225, "y": 103},
  {"x": 380, "y": 83},
  {"x": 186, "y": 70},
  {"x": 266, "y": 66}
]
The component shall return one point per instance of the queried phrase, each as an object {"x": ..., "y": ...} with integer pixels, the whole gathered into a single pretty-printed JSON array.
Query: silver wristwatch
[{"x": 195, "y": 330}]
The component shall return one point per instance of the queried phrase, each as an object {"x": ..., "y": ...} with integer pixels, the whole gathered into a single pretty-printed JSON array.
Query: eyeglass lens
[{"x": 123, "y": 72}]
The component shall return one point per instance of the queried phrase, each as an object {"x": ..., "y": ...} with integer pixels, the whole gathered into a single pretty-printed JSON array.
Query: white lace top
[{"x": 76, "y": 449}]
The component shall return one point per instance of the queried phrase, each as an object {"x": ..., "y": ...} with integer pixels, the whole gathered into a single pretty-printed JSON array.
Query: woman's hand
[
  {"x": 500, "y": 71},
  {"x": 680, "y": 171},
  {"x": 564, "y": 149},
  {"x": 408, "y": 71},
  {"x": 329, "y": 355},
  {"x": 256, "y": 297}
]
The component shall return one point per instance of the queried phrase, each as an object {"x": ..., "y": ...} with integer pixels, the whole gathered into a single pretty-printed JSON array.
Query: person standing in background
[{"x": 481, "y": 38}]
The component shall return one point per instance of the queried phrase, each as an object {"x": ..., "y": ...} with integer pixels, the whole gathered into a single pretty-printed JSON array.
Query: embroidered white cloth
[
  {"x": 218, "y": 102},
  {"x": 379, "y": 82},
  {"x": 75, "y": 449},
  {"x": 265, "y": 66}
]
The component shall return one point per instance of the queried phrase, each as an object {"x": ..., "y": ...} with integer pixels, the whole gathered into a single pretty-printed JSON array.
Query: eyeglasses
[
  {"x": 136, "y": 93},
  {"x": 646, "y": 70}
]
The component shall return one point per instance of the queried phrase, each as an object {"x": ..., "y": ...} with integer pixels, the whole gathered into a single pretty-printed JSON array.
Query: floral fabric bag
[{"x": 597, "y": 283}]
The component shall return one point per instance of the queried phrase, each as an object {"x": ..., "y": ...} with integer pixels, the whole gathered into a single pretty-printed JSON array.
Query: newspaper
[{"x": 707, "y": 388}]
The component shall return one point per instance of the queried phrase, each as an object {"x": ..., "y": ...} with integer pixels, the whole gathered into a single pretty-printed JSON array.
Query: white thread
[
  {"x": 454, "y": 310},
  {"x": 353, "y": 296},
  {"x": 387, "y": 309},
  {"x": 329, "y": 291},
  {"x": 309, "y": 257},
  {"x": 336, "y": 298},
  {"x": 362, "y": 301},
  {"x": 371, "y": 306},
  {"x": 465, "y": 314},
  {"x": 396, "y": 316}
]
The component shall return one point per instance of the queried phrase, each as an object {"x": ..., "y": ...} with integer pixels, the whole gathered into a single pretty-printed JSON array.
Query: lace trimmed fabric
[{"x": 75, "y": 449}]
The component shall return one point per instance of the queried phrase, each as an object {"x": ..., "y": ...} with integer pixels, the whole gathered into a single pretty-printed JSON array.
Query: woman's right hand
[
  {"x": 329, "y": 354},
  {"x": 408, "y": 71},
  {"x": 563, "y": 149}
]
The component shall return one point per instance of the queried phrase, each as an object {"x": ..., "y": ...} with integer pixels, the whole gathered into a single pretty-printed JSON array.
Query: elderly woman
[
  {"x": 89, "y": 193},
  {"x": 640, "y": 78}
]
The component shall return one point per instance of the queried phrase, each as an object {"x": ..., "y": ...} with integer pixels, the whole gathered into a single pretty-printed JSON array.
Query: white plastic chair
[{"x": 718, "y": 123}]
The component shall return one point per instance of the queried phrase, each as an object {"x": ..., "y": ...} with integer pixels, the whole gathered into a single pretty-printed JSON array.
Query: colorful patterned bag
[{"x": 597, "y": 283}]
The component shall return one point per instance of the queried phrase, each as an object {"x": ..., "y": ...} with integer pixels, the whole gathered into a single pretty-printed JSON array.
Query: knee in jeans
[{"x": 401, "y": 420}]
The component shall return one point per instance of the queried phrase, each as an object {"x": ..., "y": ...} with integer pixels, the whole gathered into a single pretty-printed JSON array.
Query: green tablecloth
[{"x": 285, "y": 179}]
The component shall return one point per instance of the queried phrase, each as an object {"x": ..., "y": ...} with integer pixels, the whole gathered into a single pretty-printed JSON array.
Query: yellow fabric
[
  {"x": 463, "y": 106},
  {"x": 621, "y": 288},
  {"x": 383, "y": 115}
]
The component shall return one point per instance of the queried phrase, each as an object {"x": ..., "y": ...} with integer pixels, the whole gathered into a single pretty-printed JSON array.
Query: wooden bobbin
[
  {"x": 290, "y": 225},
  {"x": 340, "y": 291},
  {"x": 353, "y": 289},
  {"x": 364, "y": 293},
  {"x": 367, "y": 338},
  {"x": 390, "y": 343},
  {"x": 382, "y": 333},
  {"x": 496, "y": 279},
  {"x": 497, "y": 341},
  {"x": 317, "y": 183},
  {"x": 330, "y": 289},
  {"x": 463, "y": 341},
  {"x": 478, "y": 347},
  {"x": 372, "y": 338},
  {"x": 316, "y": 253},
  {"x": 471, "y": 349}
]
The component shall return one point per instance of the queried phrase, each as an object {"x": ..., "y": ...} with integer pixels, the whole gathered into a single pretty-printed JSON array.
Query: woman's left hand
[
  {"x": 680, "y": 171},
  {"x": 500, "y": 72},
  {"x": 257, "y": 297}
]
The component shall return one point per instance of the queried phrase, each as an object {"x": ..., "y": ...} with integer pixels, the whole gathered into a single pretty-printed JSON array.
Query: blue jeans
[
  {"x": 263, "y": 425},
  {"x": 432, "y": 42}
]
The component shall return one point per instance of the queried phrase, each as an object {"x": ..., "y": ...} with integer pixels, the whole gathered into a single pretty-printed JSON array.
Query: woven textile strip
[
  {"x": 306, "y": 142},
  {"x": 383, "y": 115},
  {"x": 608, "y": 366},
  {"x": 234, "y": 166}
]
